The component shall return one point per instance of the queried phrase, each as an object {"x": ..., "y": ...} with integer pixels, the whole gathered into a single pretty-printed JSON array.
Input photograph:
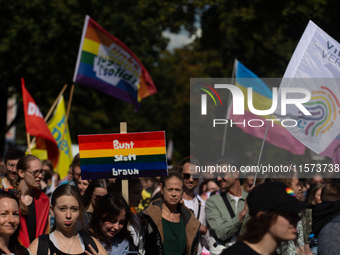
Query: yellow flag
[{"x": 57, "y": 128}]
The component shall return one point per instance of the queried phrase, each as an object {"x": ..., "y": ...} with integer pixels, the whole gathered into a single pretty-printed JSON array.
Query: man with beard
[
  {"x": 225, "y": 211},
  {"x": 11, "y": 159},
  {"x": 193, "y": 201}
]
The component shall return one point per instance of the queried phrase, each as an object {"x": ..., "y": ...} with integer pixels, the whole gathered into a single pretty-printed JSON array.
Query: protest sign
[{"x": 122, "y": 155}]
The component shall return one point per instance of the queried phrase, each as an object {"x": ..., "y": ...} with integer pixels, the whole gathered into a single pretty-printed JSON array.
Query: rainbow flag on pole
[
  {"x": 262, "y": 100},
  {"x": 107, "y": 64},
  {"x": 122, "y": 155}
]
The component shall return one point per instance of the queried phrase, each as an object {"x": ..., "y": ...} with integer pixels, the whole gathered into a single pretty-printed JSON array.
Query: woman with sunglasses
[
  {"x": 34, "y": 204},
  {"x": 9, "y": 225},
  {"x": 274, "y": 214},
  {"x": 95, "y": 190}
]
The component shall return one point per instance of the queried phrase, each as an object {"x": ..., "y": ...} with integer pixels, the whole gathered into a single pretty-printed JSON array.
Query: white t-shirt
[{"x": 236, "y": 201}]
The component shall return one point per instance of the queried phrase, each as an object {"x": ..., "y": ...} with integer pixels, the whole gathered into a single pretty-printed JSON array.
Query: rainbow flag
[
  {"x": 107, "y": 64},
  {"x": 122, "y": 155},
  {"x": 262, "y": 100}
]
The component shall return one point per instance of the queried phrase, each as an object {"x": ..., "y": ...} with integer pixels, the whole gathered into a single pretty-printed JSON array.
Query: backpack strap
[
  {"x": 43, "y": 244},
  {"x": 227, "y": 204},
  {"x": 87, "y": 240}
]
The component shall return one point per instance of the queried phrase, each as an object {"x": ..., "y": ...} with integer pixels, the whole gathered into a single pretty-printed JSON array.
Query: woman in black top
[
  {"x": 274, "y": 215},
  {"x": 66, "y": 208}
]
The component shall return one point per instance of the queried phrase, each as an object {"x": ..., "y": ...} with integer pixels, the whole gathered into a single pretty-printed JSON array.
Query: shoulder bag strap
[{"x": 227, "y": 204}]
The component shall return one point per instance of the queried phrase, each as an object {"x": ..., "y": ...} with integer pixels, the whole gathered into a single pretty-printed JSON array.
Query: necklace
[
  {"x": 172, "y": 218},
  {"x": 67, "y": 250}
]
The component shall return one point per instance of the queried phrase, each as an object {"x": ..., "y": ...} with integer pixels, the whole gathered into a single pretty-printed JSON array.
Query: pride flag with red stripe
[
  {"x": 122, "y": 155},
  {"x": 262, "y": 100},
  {"x": 107, "y": 64}
]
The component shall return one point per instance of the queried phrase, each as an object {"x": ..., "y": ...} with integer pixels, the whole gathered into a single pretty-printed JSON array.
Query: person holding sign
[{"x": 167, "y": 222}]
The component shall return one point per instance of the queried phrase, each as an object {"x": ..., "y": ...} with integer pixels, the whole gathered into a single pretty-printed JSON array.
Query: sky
[{"x": 180, "y": 39}]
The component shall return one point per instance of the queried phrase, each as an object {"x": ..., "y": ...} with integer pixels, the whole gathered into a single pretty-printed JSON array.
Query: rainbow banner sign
[
  {"x": 106, "y": 64},
  {"x": 122, "y": 155}
]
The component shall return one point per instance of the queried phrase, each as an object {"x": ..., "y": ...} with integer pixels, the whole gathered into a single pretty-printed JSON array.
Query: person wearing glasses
[
  {"x": 95, "y": 190},
  {"x": 11, "y": 160},
  {"x": 34, "y": 204},
  {"x": 168, "y": 227},
  {"x": 225, "y": 212},
  {"x": 193, "y": 201}
]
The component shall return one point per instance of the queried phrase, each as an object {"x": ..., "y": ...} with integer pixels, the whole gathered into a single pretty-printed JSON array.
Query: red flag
[{"x": 36, "y": 126}]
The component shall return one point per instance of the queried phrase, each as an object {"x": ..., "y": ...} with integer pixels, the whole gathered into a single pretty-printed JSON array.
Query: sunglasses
[
  {"x": 37, "y": 172},
  {"x": 188, "y": 176}
]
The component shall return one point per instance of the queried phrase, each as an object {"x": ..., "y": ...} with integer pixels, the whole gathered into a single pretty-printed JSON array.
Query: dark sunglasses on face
[
  {"x": 188, "y": 176},
  {"x": 37, "y": 172}
]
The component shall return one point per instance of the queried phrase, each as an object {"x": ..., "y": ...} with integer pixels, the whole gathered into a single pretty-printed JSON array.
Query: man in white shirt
[{"x": 193, "y": 201}]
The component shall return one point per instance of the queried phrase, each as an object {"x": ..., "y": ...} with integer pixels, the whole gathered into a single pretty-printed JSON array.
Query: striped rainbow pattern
[
  {"x": 95, "y": 37},
  {"x": 262, "y": 100},
  {"x": 97, "y": 155},
  {"x": 289, "y": 191}
]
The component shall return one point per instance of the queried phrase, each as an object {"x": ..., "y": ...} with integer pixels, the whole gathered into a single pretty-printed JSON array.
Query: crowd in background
[{"x": 181, "y": 213}]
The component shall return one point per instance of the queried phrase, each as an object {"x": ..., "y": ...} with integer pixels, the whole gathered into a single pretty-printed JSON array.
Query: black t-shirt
[
  {"x": 239, "y": 248},
  {"x": 31, "y": 221}
]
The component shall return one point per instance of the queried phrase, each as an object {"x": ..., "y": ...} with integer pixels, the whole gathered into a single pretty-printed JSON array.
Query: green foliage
[{"x": 39, "y": 41}]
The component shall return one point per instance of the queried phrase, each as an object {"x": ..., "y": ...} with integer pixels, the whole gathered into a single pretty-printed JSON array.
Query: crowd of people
[{"x": 178, "y": 214}]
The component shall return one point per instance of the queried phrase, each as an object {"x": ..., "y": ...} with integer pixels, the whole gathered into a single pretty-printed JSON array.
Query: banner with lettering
[
  {"x": 62, "y": 136},
  {"x": 36, "y": 126},
  {"x": 315, "y": 66},
  {"x": 107, "y": 64},
  {"x": 108, "y": 156}
]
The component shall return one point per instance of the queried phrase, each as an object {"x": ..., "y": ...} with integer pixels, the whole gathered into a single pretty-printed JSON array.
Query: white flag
[{"x": 315, "y": 66}]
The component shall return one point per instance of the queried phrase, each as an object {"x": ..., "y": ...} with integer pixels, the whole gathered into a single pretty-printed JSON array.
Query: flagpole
[
  {"x": 125, "y": 183},
  {"x": 69, "y": 103},
  {"x": 66, "y": 119},
  {"x": 55, "y": 102},
  {"x": 229, "y": 99},
  {"x": 28, "y": 142},
  {"x": 260, "y": 155},
  {"x": 52, "y": 107}
]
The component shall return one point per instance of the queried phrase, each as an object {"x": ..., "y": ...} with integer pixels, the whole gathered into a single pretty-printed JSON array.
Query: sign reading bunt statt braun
[{"x": 107, "y": 156}]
